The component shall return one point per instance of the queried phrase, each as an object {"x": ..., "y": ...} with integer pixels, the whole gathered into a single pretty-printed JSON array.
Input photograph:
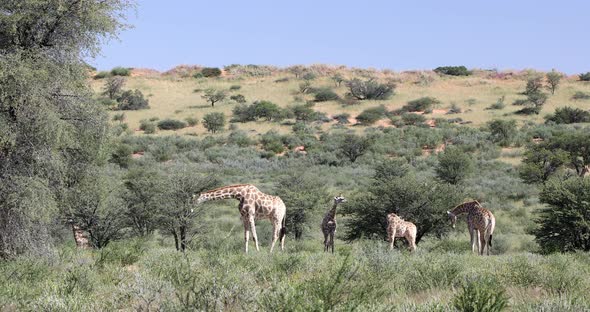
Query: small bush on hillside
[
  {"x": 191, "y": 121},
  {"x": 584, "y": 76},
  {"x": 499, "y": 103},
  {"x": 454, "y": 165},
  {"x": 285, "y": 79},
  {"x": 553, "y": 80},
  {"x": 568, "y": 115},
  {"x": 411, "y": 119},
  {"x": 243, "y": 113},
  {"x": 235, "y": 87},
  {"x": 481, "y": 295},
  {"x": 102, "y": 74},
  {"x": 112, "y": 86},
  {"x": 106, "y": 102},
  {"x": 369, "y": 90},
  {"x": 239, "y": 98},
  {"x": 454, "y": 109},
  {"x": 325, "y": 94},
  {"x": 213, "y": 96},
  {"x": 533, "y": 103},
  {"x": 452, "y": 70},
  {"x": 272, "y": 142},
  {"x": 304, "y": 112},
  {"x": 120, "y": 71},
  {"x": 210, "y": 72},
  {"x": 354, "y": 146},
  {"x": 579, "y": 95},
  {"x": 305, "y": 87},
  {"x": 342, "y": 118},
  {"x": 148, "y": 127},
  {"x": 214, "y": 122},
  {"x": 171, "y": 124},
  {"x": 132, "y": 100},
  {"x": 502, "y": 131},
  {"x": 198, "y": 75},
  {"x": 240, "y": 138},
  {"x": 371, "y": 115},
  {"x": 420, "y": 104},
  {"x": 309, "y": 76}
]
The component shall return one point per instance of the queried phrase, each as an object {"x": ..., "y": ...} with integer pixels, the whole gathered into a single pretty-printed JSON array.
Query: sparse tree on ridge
[{"x": 213, "y": 96}]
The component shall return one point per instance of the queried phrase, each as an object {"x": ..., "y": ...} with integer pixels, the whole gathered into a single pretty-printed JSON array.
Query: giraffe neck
[
  {"x": 465, "y": 208},
  {"x": 237, "y": 192},
  {"x": 332, "y": 212}
]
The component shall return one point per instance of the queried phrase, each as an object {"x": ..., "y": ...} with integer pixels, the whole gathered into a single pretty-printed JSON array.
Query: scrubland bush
[
  {"x": 120, "y": 71},
  {"x": 191, "y": 121},
  {"x": 325, "y": 94},
  {"x": 452, "y": 71},
  {"x": 584, "y": 76},
  {"x": 421, "y": 104},
  {"x": 499, "y": 104},
  {"x": 238, "y": 98},
  {"x": 567, "y": 115},
  {"x": 481, "y": 295},
  {"x": 411, "y": 119},
  {"x": 148, "y": 127},
  {"x": 210, "y": 72},
  {"x": 502, "y": 131},
  {"x": 369, "y": 90},
  {"x": 171, "y": 124},
  {"x": 214, "y": 122},
  {"x": 579, "y": 95},
  {"x": 132, "y": 100},
  {"x": 235, "y": 87},
  {"x": 102, "y": 75},
  {"x": 454, "y": 165},
  {"x": 371, "y": 115}
]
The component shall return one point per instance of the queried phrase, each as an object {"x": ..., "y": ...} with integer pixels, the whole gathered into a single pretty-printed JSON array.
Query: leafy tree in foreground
[
  {"x": 51, "y": 131},
  {"x": 502, "y": 131},
  {"x": 214, "y": 122},
  {"x": 564, "y": 224},
  {"x": 454, "y": 165}
]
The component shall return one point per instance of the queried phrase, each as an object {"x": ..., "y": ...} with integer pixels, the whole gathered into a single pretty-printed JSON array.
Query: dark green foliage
[
  {"x": 584, "y": 76},
  {"x": 120, "y": 71},
  {"x": 540, "y": 162},
  {"x": 325, "y": 94},
  {"x": 122, "y": 155},
  {"x": 285, "y": 79},
  {"x": 214, "y": 122},
  {"x": 454, "y": 165},
  {"x": 266, "y": 110},
  {"x": 213, "y": 96},
  {"x": 240, "y": 138},
  {"x": 309, "y": 76},
  {"x": 113, "y": 86},
  {"x": 579, "y": 95},
  {"x": 304, "y": 112},
  {"x": 235, "y": 87},
  {"x": 102, "y": 75},
  {"x": 371, "y": 115},
  {"x": 533, "y": 85},
  {"x": 303, "y": 193},
  {"x": 420, "y": 105},
  {"x": 502, "y": 131},
  {"x": 338, "y": 79},
  {"x": 567, "y": 115},
  {"x": 342, "y": 118},
  {"x": 171, "y": 124},
  {"x": 452, "y": 70},
  {"x": 148, "y": 127},
  {"x": 354, "y": 146},
  {"x": 143, "y": 192},
  {"x": 191, "y": 121},
  {"x": 210, "y": 72},
  {"x": 305, "y": 87},
  {"x": 419, "y": 200},
  {"x": 481, "y": 295},
  {"x": 243, "y": 113},
  {"x": 563, "y": 224},
  {"x": 119, "y": 117},
  {"x": 369, "y": 90},
  {"x": 272, "y": 142},
  {"x": 132, "y": 100},
  {"x": 533, "y": 103},
  {"x": 411, "y": 119},
  {"x": 454, "y": 109},
  {"x": 238, "y": 98}
]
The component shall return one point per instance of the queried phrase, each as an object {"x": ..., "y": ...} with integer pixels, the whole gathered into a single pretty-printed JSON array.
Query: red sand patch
[
  {"x": 439, "y": 111},
  {"x": 430, "y": 151},
  {"x": 137, "y": 155}
]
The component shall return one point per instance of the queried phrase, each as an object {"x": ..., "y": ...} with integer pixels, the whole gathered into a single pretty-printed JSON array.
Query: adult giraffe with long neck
[
  {"x": 480, "y": 221},
  {"x": 253, "y": 205}
]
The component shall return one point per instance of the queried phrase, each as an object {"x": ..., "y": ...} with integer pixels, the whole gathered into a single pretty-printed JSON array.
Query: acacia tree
[
  {"x": 113, "y": 85},
  {"x": 553, "y": 80},
  {"x": 51, "y": 131},
  {"x": 214, "y": 122},
  {"x": 213, "y": 96},
  {"x": 454, "y": 165}
]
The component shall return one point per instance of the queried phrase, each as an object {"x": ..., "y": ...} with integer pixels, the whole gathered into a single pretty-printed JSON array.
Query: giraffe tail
[
  {"x": 283, "y": 230},
  {"x": 490, "y": 242}
]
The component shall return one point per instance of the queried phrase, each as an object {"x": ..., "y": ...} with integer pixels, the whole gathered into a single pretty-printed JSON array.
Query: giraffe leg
[
  {"x": 325, "y": 241},
  {"x": 391, "y": 239},
  {"x": 332, "y": 241},
  {"x": 282, "y": 241},
  {"x": 482, "y": 242},
  {"x": 276, "y": 226},
  {"x": 411, "y": 238},
  {"x": 253, "y": 230},
  {"x": 246, "y": 234},
  {"x": 473, "y": 234}
]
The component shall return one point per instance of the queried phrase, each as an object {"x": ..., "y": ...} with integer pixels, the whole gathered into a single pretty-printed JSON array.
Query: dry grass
[{"x": 172, "y": 97}]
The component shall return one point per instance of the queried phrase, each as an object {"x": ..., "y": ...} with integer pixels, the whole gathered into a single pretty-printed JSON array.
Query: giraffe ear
[{"x": 448, "y": 212}]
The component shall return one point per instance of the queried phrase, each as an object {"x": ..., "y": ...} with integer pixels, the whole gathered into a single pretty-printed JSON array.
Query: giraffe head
[
  {"x": 199, "y": 199},
  {"x": 339, "y": 199},
  {"x": 453, "y": 218}
]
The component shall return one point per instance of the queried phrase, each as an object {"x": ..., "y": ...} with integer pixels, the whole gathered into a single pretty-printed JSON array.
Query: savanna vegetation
[{"x": 120, "y": 157}]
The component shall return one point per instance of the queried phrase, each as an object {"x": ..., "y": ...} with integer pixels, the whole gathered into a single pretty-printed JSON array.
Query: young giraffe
[
  {"x": 329, "y": 224},
  {"x": 480, "y": 221},
  {"x": 397, "y": 227},
  {"x": 253, "y": 205}
]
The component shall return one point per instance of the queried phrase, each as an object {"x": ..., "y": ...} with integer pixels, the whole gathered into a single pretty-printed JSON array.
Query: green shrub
[
  {"x": 198, "y": 75},
  {"x": 584, "y": 76},
  {"x": 421, "y": 104},
  {"x": 238, "y": 98},
  {"x": 481, "y": 295},
  {"x": 148, "y": 127},
  {"x": 369, "y": 90},
  {"x": 579, "y": 95},
  {"x": 342, "y": 118},
  {"x": 309, "y": 76},
  {"x": 325, "y": 94},
  {"x": 371, "y": 115},
  {"x": 266, "y": 110},
  {"x": 235, "y": 87},
  {"x": 132, "y": 100},
  {"x": 454, "y": 165},
  {"x": 568, "y": 115},
  {"x": 240, "y": 138},
  {"x": 411, "y": 119},
  {"x": 191, "y": 121},
  {"x": 210, "y": 72},
  {"x": 171, "y": 124},
  {"x": 120, "y": 71},
  {"x": 243, "y": 113},
  {"x": 272, "y": 142},
  {"x": 452, "y": 70},
  {"x": 499, "y": 104},
  {"x": 102, "y": 74},
  {"x": 502, "y": 131},
  {"x": 214, "y": 122}
]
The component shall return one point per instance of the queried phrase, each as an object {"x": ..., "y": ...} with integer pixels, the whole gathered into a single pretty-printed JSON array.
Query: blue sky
[{"x": 399, "y": 35}]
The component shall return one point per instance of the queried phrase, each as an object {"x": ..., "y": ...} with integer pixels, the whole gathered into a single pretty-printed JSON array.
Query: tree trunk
[
  {"x": 183, "y": 238},
  {"x": 175, "y": 240}
]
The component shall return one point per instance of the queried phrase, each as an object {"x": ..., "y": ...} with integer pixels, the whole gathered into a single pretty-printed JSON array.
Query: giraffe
[
  {"x": 397, "y": 227},
  {"x": 329, "y": 224},
  {"x": 80, "y": 237},
  {"x": 253, "y": 205},
  {"x": 480, "y": 221}
]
